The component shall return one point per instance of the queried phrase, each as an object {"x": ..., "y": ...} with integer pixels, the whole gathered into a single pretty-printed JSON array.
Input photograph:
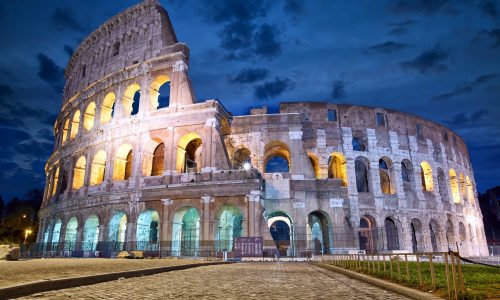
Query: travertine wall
[{"x": 92, "y": 148}]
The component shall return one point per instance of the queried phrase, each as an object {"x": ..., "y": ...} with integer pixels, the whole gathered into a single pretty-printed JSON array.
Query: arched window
[
  {"x": 357, "y": 145},
  {"x": 189, "y": 153},
  {"x": 463, "y": 186},
  {"x": 65, "y": 132},
  {"x": 405, "y": 172},
  {"x": 122, "y": 168},
  {"x": 98, "y": 168},
  {"x": 107, "y": 108},
  {"x": 367, "y": 234},
  {"x": 230, "y": 226},
  {"x": 426, "y": 177},
  {"x": 433, "y": 228},
  {"x": 315, "y": 165},
  {"x": 385, "y": 173},
  {"x": 131, "y": 99},
  {"x": 70, "y": 236},
  {"x": 241, "y": 156},
  {"x": 455, "y": 190},
  {"x": 361, "y": 169},
  {"x": 55, "y": 181},
  {"x": 186, "y": 232},
  {"x": 276, "y": 158},
  {"x": 89, "y": 116},
  {"x": 320, "y": 230},
  {"x": 79, "y": 173},
  {"x": 160, "y": 92},
  {"x": 442, "y": 185},
  {"x": 470, "y": 191},
  {"x": 148, "y": 233},
  {"x": 90, "y": 233},
  {"x": 158, "y": 160},
  {"x": 391, "y": 233},
  {"x": 117, "y": 228},
  {"x": 337, "y": 168},
  {"x": 75, "y": 123}
]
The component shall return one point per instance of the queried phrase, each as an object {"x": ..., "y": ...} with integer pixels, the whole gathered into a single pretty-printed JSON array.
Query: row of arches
[{"x": 159, "y": 94}]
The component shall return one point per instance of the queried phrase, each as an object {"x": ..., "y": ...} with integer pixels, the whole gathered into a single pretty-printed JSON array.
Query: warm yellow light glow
[
  {"x": 123, "y": 162},
  {"x": 79, "y": 173},
  {"x": 128, "y": 97},
  {"x": 155, "y": 88},
  {"x": 55, "y": 181},
  {"x": 107, "y": 108},
  {"x": 455, "y": 190},
  {"x": 470, "y": 190},
  {"x": 426, "y": 176},
  {"x": 65, "y": 131},
  {"x": 75, "y": 123},
  {"x": 89, "y": 116},
  {"x": 181, "y": 149},
  {"x": 98, "y": 168},
  {"x": 338, "y": 167}
]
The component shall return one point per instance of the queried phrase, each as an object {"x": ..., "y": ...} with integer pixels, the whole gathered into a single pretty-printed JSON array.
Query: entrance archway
[
  {"x": 229, "y": 227},
  {"x": 280, "y": 226},
  {"x": 186, "y": 232},
  {"x": 367, "y": 234},
  {"x": 147, "y": 233},
  {"x": 117, "y": 229},
  {"x": 319, "y": 232},
  {"x": 90, "y": 233}
]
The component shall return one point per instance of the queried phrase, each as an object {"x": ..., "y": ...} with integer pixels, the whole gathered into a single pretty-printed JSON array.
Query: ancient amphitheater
[{"x": 141, "y": 164}]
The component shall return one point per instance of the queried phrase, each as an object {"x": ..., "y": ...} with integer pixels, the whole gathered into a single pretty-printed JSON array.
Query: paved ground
[
  {"x": 235, "y": 281},
  {"x": 24, "y": 271}
]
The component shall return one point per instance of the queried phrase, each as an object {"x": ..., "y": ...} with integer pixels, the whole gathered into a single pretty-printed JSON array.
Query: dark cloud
[
  {"x": 426, "y": 7},
  {"x": 237, "y": 37},
  {"x": 463, "y": 118},
  {"x": 6, "y": 90},
  {"x": 273, "y": 88},
  {"x": 398, "y": 28},
  {"x": 338, "y": 91},
  {"x": 467, "y": 87},
  {"x": 10, "y": 121},
  {"x": 430, "y": 60},
  {"x": 492, "y": 35},
  {"x": 222, "y": 11},
  {"x": 249, "y": 75},
  {"x": 266, "y": 41},
  {"x": 294, "y": 8},
  {"x": 50, "y": 72},
  {"x": 63, "y": 18},
  {"x": 489, "y": 8},
  {"x": 35, "y": 148},
  {"x": 478, "y": 115},
  {"x": 69, "y": 50},
  {"x": 386, "y": 47}
]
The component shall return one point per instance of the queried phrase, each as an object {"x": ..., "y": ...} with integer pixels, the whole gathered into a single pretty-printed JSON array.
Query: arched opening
[
  {"x": 230, "y": 222},
  {"x": 407, "y": 171},
  {"x": 75, "y": 124},
  {"x": 56, "y": 233},
  {"x": 153, "y": 158},
  {"x": 70, "y": 236},
  {"x": 276, "y": 158},
  {"x": 385, "y": 170},
  {"x": 470, "y": 191},
  {"x": 450, "y": 235},
  {"x": 186, "y": 232},
  {"x": 443, "y": 192},
  {"x": 98, "y": 168},
  {"x": 148, "y": 233},
  {"x": 361, "y": 170},
  {"x": 426, "y": 177},
  {"x": 315, "y": 165},
  {"x": 122, "y": 168},
  {"x": 367, "y": 234},
  {"x": 391, "y": 232},
  {"x": 357, "y": 144},
  {"x": 107, "y": 108},
  {"x": 89, "y": 116},
  {"x": 240, "y": 157},
  {"x": 117, "y": 229},
  {"x": 55, "y": 181},
  {"x": 90, "y": 233},
  {"x": 65, "y": 132},
  {"x": 417, "y": 239},
  {"x": 463, "y": 187},
  {"x": 337, "y": 168},
  {"x": 64, "y": 180},
  {"x": 433, "y": 228},
  {"x": 79, "y": 173},
  {"x": 280, "y": 226},
  {"x": 158, "y": 160},
  {"x": 160, "y": 92},
  {"x": 320, "y": 232},
  {"x": 131, "y": 99},
  {"x": 189, "y": 156},
  {"x": 455, "y": 190}
]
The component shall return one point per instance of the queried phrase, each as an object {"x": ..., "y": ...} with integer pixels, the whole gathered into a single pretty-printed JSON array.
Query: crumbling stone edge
[
  {"x": 386, "y": 285},
  {"x": 64, "y": 283}
]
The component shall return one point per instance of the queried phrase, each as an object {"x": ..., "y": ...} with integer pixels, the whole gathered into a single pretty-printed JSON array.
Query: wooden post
[
  {"x": 419, "y": 271},
  {"x": 433, "y": 274},
  {"x": 461, "y": 276},
  {"x": 454, "y": 274},
  {"x": 383, "y": 257},
  {"x": 407, "y": 268},
  {"x": 399, "y": 269},
  {"x": 447, "y": 274}
]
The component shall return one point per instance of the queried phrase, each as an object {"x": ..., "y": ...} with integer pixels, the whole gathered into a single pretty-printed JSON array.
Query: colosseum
[{"x": 140, "y": 164}]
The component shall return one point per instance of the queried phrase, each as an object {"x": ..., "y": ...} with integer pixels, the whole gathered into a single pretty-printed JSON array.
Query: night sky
[{"x": 436, "y": 59}]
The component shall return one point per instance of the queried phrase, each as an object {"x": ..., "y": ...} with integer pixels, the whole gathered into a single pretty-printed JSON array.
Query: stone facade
[{"x": 187, "y": 178}]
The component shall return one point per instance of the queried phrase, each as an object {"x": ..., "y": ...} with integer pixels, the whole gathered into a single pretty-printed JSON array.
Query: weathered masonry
[{"x": 139, "y": 163}]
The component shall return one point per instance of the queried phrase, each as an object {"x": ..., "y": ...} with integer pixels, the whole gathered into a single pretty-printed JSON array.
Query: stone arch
[
  {"x": 450, "y": 234},
  {"x": 280, "y": 225},
  {"x": 455, "y": 189},
  {"x": 56, "y": 233},
  {"x": 313, "y": 159},
  {"x": 71, "y": 233},
  {"x": 122, "y": 168},
  {"x": 189, "y": 153},
  {"x": 229, "y": 225},
  {"x": 277, "y": 157},
  {"x": 367, "y": 234},
  {"x": 407, "y": 172},
  {"x": 391, "y": 233},
  {"x": 241, "y": 156},
  {"x": 462, "y": 232},
  {"x": 79, "y": 173},
  {"x": 75, "y": 124},
  {"x": 470, "y": 191},
  {"x": 89, "y": 116},
  {"x": 426, "y": 176},
  {"x": 361, "y": 167},
  {"x": 443, "y": 191},
  {"x": 117, "y": 228},
  {"x": 153, "y": 158},
  {"x": 386, "y": 170},
  {"x": 65, "y": 132},
  {"x": 320, "y": 231},
  {"x": 148, "y": 230},
  {"x": 337, "y": 167},
  {"x": 463, "y": 187},
  {"x": 434, "y": 232},
  {"x": 98, "y": 168},
  {"x": 108, "y": 107},
  {"x": 160, "y": 82},
  {"x": 90, "y": 233},
  {"x": 417, "y": 237},
  {"x": 186, "y": 232},
  {"x": 55, "y": 181},
  {"x": 131, "y": 99}
]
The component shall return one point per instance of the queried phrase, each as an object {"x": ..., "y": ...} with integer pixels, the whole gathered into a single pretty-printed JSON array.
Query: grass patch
[{"x": 481, "y": 282}]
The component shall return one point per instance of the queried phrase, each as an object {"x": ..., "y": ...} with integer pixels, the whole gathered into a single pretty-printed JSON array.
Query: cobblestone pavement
[
  {"x": 235, "y": 281},
  {"x": 24, "y": 271}
]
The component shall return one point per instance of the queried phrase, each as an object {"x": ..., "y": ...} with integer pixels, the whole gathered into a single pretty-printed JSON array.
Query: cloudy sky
[{"x": 438, "y": 59}]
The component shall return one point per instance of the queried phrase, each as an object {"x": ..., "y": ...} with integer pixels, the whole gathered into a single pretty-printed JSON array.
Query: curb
[
  {"x": 386, "y": 285},
  {"x": 15, "y": 291}
]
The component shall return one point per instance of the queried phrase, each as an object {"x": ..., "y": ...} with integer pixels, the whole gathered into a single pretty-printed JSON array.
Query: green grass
[{"x": 481, "y": 282}]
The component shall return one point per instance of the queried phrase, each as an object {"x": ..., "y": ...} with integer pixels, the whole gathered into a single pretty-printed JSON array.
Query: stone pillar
[
  {"x": 171, "y": 155},
  {"x": 166, "y": 229},
  {"x": 62, "y": 234},
  {"x": 79, "y": 236},
  {"x": 209, "y": 146},
  {"x": 206, "y": 200},
  {"x": 145, "y": 99},
  {"x": 253, "y": 200},
  {"x": 180, "y": 86}
]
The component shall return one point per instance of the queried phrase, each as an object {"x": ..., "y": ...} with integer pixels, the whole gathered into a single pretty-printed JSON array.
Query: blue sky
[{"x": 437, "y": 59}]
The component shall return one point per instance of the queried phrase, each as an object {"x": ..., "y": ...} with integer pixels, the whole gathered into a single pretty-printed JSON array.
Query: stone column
[
  {"x": 253, "y": 200},
  {"x": 62, "y": 234},
  {"x": 145, "y": 99},
  {"x": 166, "y": 230},
  {"x": 206, "y": 200},
  {"x": 208, "y": 145},
  {"x": 171, "y": 155},
  {"x": 180, "y": 86},
  {"x": 79, "y": 236}
]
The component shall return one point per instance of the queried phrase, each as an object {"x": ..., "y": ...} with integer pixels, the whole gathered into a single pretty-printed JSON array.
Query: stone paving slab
[
  {"x": 25, "y": 271},
  {"x": 233, "y": 281}
]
